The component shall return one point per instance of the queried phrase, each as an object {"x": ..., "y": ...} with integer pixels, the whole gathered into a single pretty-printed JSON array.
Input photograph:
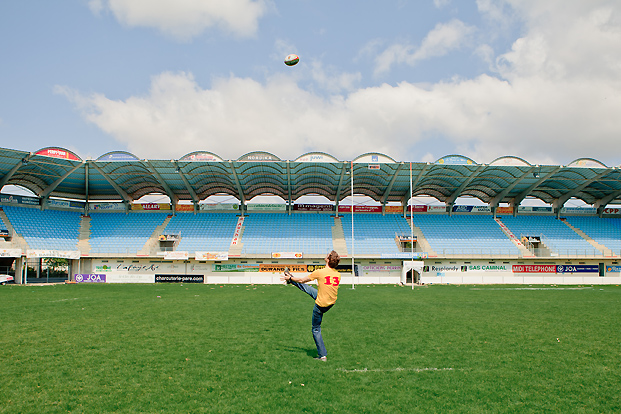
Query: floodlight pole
[
  {"x": 411, "y": 226},
  {"x": 353, "y": 269}
]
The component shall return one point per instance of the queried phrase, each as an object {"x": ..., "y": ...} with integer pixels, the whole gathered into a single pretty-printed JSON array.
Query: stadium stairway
[
  {"x": 84, "y": 245},
  {"x": 600, "y": 247},
  {"x": 236, "y": 250},
  {"x": 422, "y": 242},
  {"x": 151, "y": 247},
  {"x": 338, "y": 238},
  {"x": 17, "y": 241},
  {"x": 524, "y": 252}
]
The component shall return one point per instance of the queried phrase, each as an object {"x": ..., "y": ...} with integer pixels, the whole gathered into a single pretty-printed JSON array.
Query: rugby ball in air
[{"x": 292, "y": 60}]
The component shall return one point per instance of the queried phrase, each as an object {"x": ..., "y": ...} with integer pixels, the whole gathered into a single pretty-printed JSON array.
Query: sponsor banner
[
  {"x": 279, "y": 268},
  {"x": 360, "y": 209},
  {"x": 205, "y": 256},
  {"x": 481, "y": 209},
  {"x": 118, "y": 156},
  {"x": 58, "y": 153},
  {"x": 179, "y": 278},
  {"x": 578, "y": 210},
  {"x": 615, "y": 211},
  {"x": 169, "y": 237},
  {"x": 577, "y": 269},
  {"x": 380, "y": 268},
  {"x": 201, "y": 156},
  {"x": 504, "y": 210},
  {"x": 417, "y": 209},
  {"x": 266, "y": 207},
  {"x": 66, "y": 204},
  {"x": 455, "y": 160},
  {"x": 10, "y": 252},
  {"x": 238, "y": 227},
  {"x": 535, "y": 209},
  {"x": 17, "y": 199},
  {"x": 462, "y": 209},
  {"x": 4, "y": 232},
  {"x": 533, "y": 268},
  {"x": 223, "y": 206},
  {"x": 151, "y": 206},
  {"x": 240, "y": 267},
  {"x": 63, "y": 254},
  {"x": 393, "y": 209},
  {"x": 90, "y": 278},
  {"x": 107, "y": 206},
  {"x": 130, "y": 278},
  {"x": 287, "y": 255},
  {"x": 128, "y": 268},
  {"x": 436, "y": 209},
  {"x": 316, "y": 157},
  {"x": 615, "y": 269},
  {"x": 176, "y": 255},
  {"x": 259, "y": 156},
  {"x": 404, "y": 255},
  {"x": 184, "y": 207},
  {"x": 489, "y": 268},
  {"x": 313, "y": 207},
  {"x": 444, "y": 268},
  {"x": 373, "y": 158}
]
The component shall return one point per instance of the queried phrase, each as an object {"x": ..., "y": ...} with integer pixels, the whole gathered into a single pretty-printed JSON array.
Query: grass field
[{"x": 232, "y": 349}]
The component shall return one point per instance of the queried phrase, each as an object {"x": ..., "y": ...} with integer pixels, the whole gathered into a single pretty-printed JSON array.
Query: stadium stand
[
  {"x": 122, "y": 233},
  {"x": 211, "y": 232},
  {"x": 464, "y": 234},
  {"x": 606, "y": 231},
  {"x": 45, "y": 229},
  {"x": 554, "y": 234},
  {"x": 374, "y": 234},
  {"x": 266, "y": 233}
]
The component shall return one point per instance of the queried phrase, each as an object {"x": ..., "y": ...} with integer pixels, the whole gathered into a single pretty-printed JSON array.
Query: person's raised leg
[{"x": 310, "y": 290}]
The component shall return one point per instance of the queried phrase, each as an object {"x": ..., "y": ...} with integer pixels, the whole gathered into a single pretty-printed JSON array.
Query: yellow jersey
[{"x": 328, "y": 281}]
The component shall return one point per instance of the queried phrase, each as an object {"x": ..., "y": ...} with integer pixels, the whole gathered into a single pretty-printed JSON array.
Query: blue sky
[{"x": 415, "y": 80}]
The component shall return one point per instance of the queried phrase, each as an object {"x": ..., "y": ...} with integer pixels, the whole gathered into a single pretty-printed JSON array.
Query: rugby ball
[{"x": 292, "y": 60}]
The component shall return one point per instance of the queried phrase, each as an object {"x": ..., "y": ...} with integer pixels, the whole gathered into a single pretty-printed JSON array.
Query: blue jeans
[{"x": 318, "y": 312}]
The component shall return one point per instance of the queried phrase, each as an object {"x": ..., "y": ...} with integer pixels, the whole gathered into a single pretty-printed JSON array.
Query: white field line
[
  {"x": 535, "y": 288},
  {"x": 62, "y": 300},
  {"x": 398, "y": 369}
]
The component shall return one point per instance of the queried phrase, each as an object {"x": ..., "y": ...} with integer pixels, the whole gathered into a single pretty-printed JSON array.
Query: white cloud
[
  {"x": 184, "y": 19},
  {"x": 441, "y": 3},
  {"x": 442, "y": 39},
  {"x": 554, "y": 101}
]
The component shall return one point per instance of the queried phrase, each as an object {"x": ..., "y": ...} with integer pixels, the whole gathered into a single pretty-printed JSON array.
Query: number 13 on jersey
[{"x": 333, "y": 281}]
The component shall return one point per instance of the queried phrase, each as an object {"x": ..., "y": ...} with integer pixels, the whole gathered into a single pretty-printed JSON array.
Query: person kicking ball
[{"x": 328, "y": 280}]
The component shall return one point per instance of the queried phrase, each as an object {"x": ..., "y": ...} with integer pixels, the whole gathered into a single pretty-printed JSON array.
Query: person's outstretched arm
[{"x": 299, "y": 279}]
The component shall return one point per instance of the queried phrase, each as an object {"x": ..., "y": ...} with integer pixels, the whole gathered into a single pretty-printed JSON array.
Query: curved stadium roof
[{"x": 121, "y": 176}]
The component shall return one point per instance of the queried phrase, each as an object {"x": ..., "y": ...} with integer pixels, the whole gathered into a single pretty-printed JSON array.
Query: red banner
[
  {"x": 184, "y": 207},
  {"x": 504, "y": 210},
  {"x": 534, "y": 269},
  {"x": 58, "y": 153}
]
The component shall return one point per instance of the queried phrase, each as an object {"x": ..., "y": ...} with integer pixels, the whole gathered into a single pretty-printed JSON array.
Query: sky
[{"x": 415, "y": 80}]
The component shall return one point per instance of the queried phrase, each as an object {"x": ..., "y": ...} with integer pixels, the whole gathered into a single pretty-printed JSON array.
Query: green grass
[{"x": 233, "y": 349}]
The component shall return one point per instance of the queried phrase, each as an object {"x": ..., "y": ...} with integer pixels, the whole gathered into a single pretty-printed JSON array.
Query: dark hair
[{"x": 333, "y": 259}]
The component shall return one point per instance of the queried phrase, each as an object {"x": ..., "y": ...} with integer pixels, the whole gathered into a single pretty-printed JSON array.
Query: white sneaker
[{"x": 323, "y": 358}]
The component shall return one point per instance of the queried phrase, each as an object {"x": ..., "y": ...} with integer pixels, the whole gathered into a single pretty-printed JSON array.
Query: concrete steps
[
  {"x": 338, "y": 238},
  {"x": 84, "y": 235},
  {"x": 151, "y": 247},
  {"x": 600, "y": 247}
]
